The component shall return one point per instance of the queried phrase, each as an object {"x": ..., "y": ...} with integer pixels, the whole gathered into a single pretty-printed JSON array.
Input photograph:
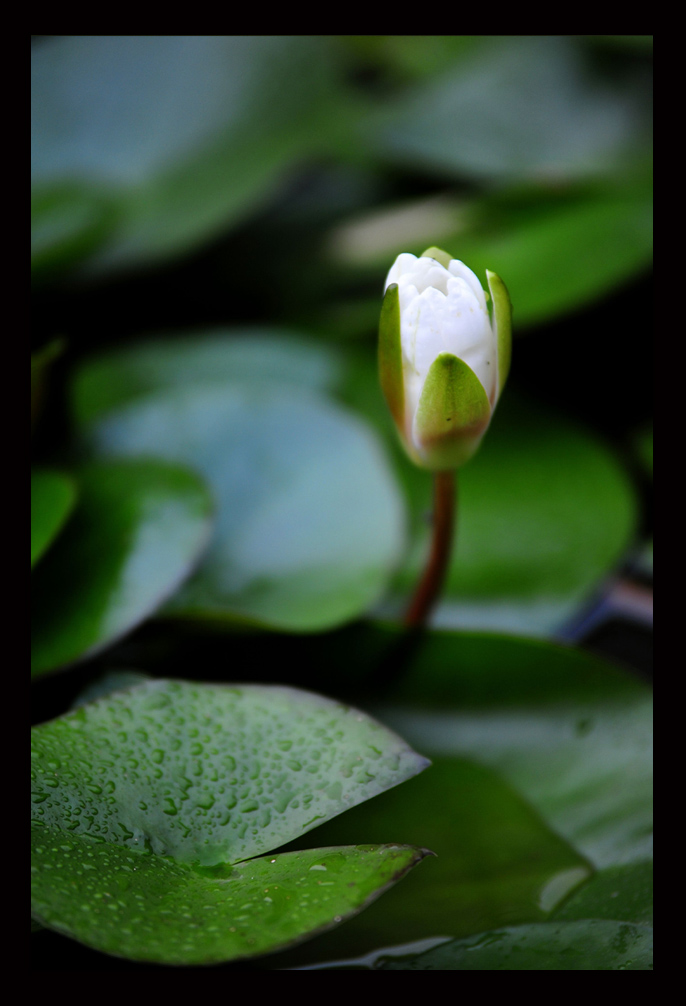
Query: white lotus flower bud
[{"x": 443, "y": 361}]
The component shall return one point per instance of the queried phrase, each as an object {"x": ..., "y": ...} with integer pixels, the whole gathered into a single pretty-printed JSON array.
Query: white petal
[
  {"x": 457, "y": 268},
  {"x": 403, "y": 265}
]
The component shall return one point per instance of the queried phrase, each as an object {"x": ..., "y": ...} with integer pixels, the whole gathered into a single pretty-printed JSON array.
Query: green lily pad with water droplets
[
  {"x": 152, "y": 908},
  {"x": 179, "y": 783}
]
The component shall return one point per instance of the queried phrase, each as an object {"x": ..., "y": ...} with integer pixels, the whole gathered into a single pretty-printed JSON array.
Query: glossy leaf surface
[
  {"x": 617, "y": 892},
  {"x": 497, "y": 862},
  {"x": 145, "y": 800},
  {"x": 136, "y": 533},
  {"x": 570, "y": 733},
  {"x": 591, "y": 945},
  {"x": 541, "y": 773},
  {"x": 152, "y": 908},
  {"x": 52, "y": 498},
  {"x": 210, "y": 774}
]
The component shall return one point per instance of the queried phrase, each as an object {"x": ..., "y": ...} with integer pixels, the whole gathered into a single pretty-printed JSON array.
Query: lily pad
[
  {"x": 617, "y": 892},
  {"x": 110, "y": 380},
  {"x": 497, "y": 862},
  {"x": 590, "y": 945},
  {"x": 221, "y": 773},
  {"x": 545, "y": 510},
  {"x": 149, "y": 804},
  {"x": 52, "y": 499},
  {"x": 166, "y": 140},
  {"x": 136, "y": 533},
  {"x": 309, "y": 523},
  {"x": 568, "y": 731},
  {"x": 540, "y": 778},
  {"x": 498, "y": 112},
  {"x": 151, "y": 908}
]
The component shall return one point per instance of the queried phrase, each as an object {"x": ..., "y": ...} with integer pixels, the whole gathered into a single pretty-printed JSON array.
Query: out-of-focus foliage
[
  {"x": 145, "y": 145},
  {"x": 136, "y": 533},
  {"x": 218, "y": 491}
]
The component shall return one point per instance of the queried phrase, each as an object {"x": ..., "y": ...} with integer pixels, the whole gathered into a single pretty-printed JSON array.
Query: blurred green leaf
[
  {"x": 68, "y": 223},
  {"x": 177, "y": 136},
  {"x": 134, "y": 536},
  {"x": 560, "y": 258},
  {"x": 413, "y": 56},
  {"x": 525, "y": 107},
  {"x": 52, "y": 499},
  {"x": 580, "y": 754},
  {"x": 145, "y": 800},
  {"x": 544, "y": 510},
  {"x": 557, "y": 252},
  {"x": 591, "y": 945},
  {"x": 497, "y": 862},
  {"x": 618, "y": 892},
  {"x": 540, "y": 763},
  {"x": 310, "y": 524},
  {"x": 213, "y": 356}
]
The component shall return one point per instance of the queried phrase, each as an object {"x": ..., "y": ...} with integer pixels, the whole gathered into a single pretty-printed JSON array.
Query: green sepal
[
  {"x": 439, "y": 255},
  {"x": 502, "y": 320},
  {"x": 390, "y": 356},
  {"x": 453, "y": 414}
]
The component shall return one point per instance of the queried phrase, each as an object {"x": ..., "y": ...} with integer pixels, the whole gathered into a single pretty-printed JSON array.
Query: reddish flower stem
[{"x": 431, "y": 583}]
